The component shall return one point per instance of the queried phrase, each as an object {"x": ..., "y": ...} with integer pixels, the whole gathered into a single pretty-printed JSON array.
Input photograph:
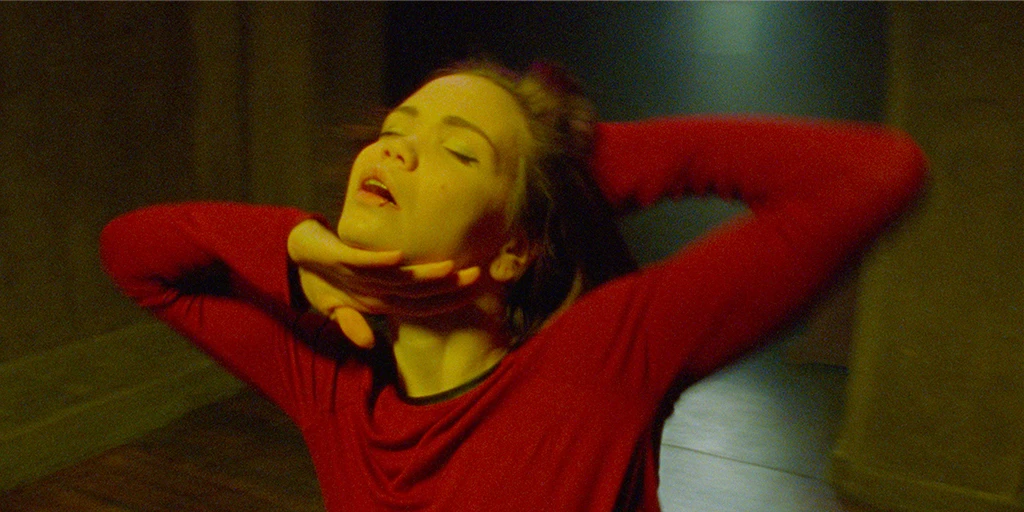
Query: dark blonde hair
[{"x": 557, "y": 204}]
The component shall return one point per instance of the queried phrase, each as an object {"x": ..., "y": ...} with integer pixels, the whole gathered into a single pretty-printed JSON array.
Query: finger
[
  {"x": 362, "y": 258},
  {"x": 468, "y": 276},
  {"x": 428, "y": 306},
  {"x": 427, "y": 274},
  {"x": 427, "y": 271},
  {"x": 417, "y": 290},
  {"x": 355, "y": 327},
  {"x": 406, "y": 274}
]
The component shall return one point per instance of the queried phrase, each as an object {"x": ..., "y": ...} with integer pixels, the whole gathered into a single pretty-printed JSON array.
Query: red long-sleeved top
[{"x": 571, "y": 419}]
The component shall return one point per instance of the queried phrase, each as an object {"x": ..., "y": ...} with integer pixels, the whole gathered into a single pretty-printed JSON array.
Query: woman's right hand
[{"x": 343, "y": 282}]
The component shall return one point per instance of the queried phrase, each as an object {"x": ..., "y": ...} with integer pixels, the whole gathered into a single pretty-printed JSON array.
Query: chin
[{"x": 365, "y": 237}]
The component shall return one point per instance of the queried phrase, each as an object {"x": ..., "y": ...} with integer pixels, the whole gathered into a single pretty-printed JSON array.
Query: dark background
[
  {"x": 643, "y": 59},
  {"x": 655, "y": 58}
]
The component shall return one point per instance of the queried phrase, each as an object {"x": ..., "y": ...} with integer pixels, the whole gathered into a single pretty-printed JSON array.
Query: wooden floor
[
  {"x": 238, "y": 455},
  {"x": 754, "y": 438}
]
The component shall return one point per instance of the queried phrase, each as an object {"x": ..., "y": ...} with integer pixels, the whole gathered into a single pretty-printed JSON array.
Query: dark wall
[
  {"x": 647, "y": 59},
  {"x": 643, "y": 59},
  {"x": 110, "y": 106},
  {"x": 95, "y": 110}
]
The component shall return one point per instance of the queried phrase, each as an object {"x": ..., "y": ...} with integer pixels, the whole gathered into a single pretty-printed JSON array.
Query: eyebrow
[{"x": 455, "y": 121}]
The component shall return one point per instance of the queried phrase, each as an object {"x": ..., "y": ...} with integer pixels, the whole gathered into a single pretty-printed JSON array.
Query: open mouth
[{"x": 375, "y": 187}]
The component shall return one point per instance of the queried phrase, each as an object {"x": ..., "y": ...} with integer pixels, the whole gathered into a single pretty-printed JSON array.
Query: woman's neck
[{"x": 439, "y": 353}]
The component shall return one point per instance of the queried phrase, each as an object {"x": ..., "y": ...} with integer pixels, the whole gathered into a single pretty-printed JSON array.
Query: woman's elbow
[{"x": 905, "y": 164}]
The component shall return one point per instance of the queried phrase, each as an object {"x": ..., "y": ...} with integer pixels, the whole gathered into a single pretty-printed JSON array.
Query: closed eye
[{"x": 465, "y": 159}]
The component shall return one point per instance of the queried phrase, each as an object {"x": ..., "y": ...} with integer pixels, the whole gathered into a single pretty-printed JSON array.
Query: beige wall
[
  {"x": 105, "y": 107},
  {"x": 935, "y": 417}
]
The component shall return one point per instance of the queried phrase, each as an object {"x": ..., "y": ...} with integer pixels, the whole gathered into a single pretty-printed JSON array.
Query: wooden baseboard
[{"x": 65, "y": 405}]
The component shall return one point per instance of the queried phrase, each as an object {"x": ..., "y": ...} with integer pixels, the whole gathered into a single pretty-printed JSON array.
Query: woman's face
[{"x": 438, "y": 182}]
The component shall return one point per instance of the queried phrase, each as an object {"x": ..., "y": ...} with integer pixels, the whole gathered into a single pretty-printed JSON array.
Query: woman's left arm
[
  {"x": 817, "y": 192},
  {"x": 870, "y": 170}
]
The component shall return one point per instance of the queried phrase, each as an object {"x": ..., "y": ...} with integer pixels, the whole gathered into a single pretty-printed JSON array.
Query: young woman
[{"x": 517, "y": 361}]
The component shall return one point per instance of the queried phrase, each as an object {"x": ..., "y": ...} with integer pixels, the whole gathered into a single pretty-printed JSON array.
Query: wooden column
[
  {"x": 220, "y": 140},
  {"x": 935, "y": 415},
  {"x": 279, "y": 102}
]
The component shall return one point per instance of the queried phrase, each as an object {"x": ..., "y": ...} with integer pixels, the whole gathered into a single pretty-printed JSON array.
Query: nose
[{"x": 400, "y": 151}]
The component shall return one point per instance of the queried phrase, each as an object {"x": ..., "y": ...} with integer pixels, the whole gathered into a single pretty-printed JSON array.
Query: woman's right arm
[
  {"x": 234, "y": 278},
  {"x": 161, "y": 254},
  {"x": 218, "y": 273}
]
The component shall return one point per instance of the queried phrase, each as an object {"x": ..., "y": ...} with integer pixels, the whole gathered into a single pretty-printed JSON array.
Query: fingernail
[{"x": 469, "y": 275}]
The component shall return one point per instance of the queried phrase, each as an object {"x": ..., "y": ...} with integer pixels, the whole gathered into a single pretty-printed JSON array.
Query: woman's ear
[{"x": 513, "y": 259}]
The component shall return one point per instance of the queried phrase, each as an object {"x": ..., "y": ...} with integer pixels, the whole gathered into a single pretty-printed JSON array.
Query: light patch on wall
[{"x": 724, "y": 28}]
